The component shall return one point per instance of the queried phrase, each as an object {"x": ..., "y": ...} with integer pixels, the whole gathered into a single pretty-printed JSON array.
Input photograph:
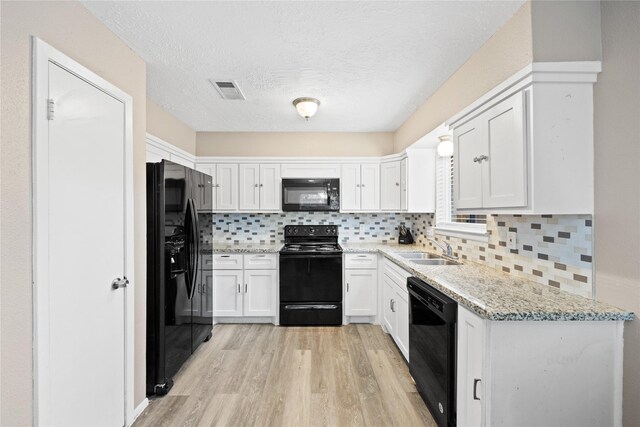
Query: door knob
[{"x": 119, "y": 283}]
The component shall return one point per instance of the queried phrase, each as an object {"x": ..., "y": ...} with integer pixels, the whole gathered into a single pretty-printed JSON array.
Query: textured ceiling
[{"x": 371, "y": 64}]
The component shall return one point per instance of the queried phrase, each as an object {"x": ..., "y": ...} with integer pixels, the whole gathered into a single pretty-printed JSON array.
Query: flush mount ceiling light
[
  {"x": 445, "y": 147},
  {"x": 306, "y": 107}
]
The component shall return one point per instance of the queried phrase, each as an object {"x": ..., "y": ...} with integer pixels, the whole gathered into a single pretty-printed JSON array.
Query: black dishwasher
[{"x": 432, "y": 349}]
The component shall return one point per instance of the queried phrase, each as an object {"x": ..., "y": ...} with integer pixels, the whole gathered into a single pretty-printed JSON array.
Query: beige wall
[
  {"x": 315, "y": 144},
  {"x": 617, "y": 182},
  {"x": 506, "y": 52},
  {"x": 566, "y": 31},
  {"x": 69, "y": 27},
  {"x": 166, "y": 127}
]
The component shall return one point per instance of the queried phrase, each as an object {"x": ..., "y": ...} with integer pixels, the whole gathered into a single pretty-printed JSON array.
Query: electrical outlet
[{"x": 512, "y": 242}]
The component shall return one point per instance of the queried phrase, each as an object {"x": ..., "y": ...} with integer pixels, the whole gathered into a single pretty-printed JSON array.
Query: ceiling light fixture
[
  {"x": 306, "y": 107},
  {"x": 445, "y": 147}
]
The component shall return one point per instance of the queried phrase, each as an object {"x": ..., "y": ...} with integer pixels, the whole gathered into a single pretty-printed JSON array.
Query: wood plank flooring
[{"x": 264, "y": 375}]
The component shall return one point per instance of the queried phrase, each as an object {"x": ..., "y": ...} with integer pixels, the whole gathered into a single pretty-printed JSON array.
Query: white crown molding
[
  {"x": 167, "y": 146},
  {"x": 580, "y": 72},
  {"x": 300, "y": 160}
]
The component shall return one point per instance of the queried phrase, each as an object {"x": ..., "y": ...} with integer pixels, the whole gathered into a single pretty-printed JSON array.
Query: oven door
[
  {"x": 310, "y": 195},
  {"x": 310, "y": 278}
]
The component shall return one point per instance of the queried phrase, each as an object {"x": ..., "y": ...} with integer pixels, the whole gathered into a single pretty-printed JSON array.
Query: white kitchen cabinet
[
  {"x": 260, "y": 292},
  {"x": 527, "y": 146},
  {"x": 259, "y": 187},
  {"x": 227, "y": 293},
  {"x": 470, "y": 360},
  {"x": 224, "y": 185},
  {"x": 360, "y": 187},
  {"x": 361, "y": 292},
  {"x": 403, "y": 184},
  {"x": 254, "y": 279},
  {"x": 390, "y": 199},
  {"x": 551, "y": 373},
  {"x": 206, "y": 289},
  {"x": 490, "y": 165},
  {"x": 395, "y": 305}
]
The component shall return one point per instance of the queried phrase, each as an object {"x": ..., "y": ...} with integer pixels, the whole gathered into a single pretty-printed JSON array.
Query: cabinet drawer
[
  {"x": 397, "y": 275},
  {"x": 207, "y": 262},
  {"x": 360, "y": 261},
  {"x": 260, "y": 261},
  {"x": 227, "y": 262}
]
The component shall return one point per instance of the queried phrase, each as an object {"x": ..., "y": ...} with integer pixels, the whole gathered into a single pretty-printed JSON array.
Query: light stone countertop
[
  {"x": 496, "y": 295},
  {"x": 242, "y": 248}
]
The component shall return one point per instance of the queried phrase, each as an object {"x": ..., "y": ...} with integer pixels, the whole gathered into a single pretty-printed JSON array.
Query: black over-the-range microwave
[{"x": 310, "y": 194}]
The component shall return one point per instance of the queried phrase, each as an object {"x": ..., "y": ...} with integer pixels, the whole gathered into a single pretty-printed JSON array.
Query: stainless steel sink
[
  {"x": 434, "y": 261},
  {"x": 417, "y": 255}
]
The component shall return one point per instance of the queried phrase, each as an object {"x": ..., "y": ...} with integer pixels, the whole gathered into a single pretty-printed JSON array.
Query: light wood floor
[{"x": 263, "y": 375}]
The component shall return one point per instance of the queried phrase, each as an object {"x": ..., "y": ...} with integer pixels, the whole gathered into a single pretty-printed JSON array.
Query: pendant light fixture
[
  {"x": 306, "y": 107},
  {"x": 445, "y": 147}
]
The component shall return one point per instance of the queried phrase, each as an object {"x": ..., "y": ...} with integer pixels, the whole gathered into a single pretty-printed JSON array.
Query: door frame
[{"x": 42, "y": 54}]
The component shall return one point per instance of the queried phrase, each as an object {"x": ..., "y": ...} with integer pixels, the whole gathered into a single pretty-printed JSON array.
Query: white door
[
  {"x": 270, "y": 187},
  {"x": 361, "y": 292},
  {"x": 227, "y": 187},
  {"x": 388, "y": 298},
  {"x": 207, "y": 294},
  {"x": 504, "y": 169},
  {"x": 468, "y": 147},
  {"x": 390, "y": 186},
  {"x": 370, "y": 187},
  {"x": 260, "y": 291},
  {"x": 401, "y": 308},
  {"x": 350, "y": 187},
  {"x": 210, "y": 198},
  {"x": 83, "y": 379},
  {"x": 249, "y": 187},
  {"x": 403, "y": 184},
  {"x": 227, "y": 293}
]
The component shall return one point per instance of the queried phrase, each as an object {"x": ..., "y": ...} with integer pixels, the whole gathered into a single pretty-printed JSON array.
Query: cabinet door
[
  {"x": 370, "y": 187},
  {"x": 227, "y": 293},
  {"x": 470, "y": 349},
  {"x": 468, "y": 146},
  {"x": 403, "y": 184},
  {"x": 249, "y": 187},
  {"x": 401, "y": 308},
  {"x": 270, "y": 187},
  {"x": 350, "y": 188},
  {"x": 361, "y": 292},
  {"x": 209, "y": 194},
  {"x": 260, "y": 292},
  {"x": 206, "y": 309},
  {"x": 227, "y": 187},
  {"x": 504, "y": 170},
  {"x": 390, "y": 186},
  {"x": 388, "y": 299}
]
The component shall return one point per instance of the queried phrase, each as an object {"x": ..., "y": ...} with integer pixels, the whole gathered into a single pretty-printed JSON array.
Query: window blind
[{"x": 446, "y": 214}]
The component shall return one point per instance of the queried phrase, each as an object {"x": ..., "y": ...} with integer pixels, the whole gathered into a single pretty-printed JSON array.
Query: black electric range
[{"x": 311, "y": 276}]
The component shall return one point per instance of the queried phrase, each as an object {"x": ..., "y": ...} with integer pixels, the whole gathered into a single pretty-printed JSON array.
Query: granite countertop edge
[{"x": 511, "y": 306}]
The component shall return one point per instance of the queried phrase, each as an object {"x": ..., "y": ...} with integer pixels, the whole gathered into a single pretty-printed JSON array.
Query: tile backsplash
[
  {"x": 269, "y": 227},
  {"x": 554, "y": 250}
]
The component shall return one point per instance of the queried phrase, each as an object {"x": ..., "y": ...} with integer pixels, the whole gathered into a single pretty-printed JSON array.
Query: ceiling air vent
[{"x": 228, "y": 89}]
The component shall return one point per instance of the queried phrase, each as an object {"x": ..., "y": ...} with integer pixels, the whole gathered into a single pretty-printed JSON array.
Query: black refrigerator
[{"x": 176, "y": 253}]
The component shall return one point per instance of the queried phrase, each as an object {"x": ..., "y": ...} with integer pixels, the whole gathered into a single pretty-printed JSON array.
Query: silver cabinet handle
[
  {"x": 255, "y": 185},
  {"x": 357, "y": 185},
  {"x": 239, "y": 289},
  {"x": 225, "y": 256},
  {"x": 361, "y": 185},
  {"x": 118, "y": 283},
  {"x": 476, "y": 160},
  {"x": 362, "y": 256},
  {"x": 397, "y": 184},
  {"x": 347, "y": 286},
  {"x": 475, "y": 388},
  {"x": 483, "y": 157},
  {"x": 246, "y": 287},
  {"x": 261, "y": 185},
  {"x": 393, "y": 305}
]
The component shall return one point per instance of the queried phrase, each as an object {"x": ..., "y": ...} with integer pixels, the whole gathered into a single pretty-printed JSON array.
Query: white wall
[{"x": 162, "y": 124}]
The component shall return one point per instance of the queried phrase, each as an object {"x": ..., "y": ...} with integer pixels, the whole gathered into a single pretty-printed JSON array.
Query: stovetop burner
[{"x": 311, "y": 239}]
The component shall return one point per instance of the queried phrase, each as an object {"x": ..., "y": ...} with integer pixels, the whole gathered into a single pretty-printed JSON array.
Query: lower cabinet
[
  {"x": 242, "y": 290},
  {"x": 469, "y": 381},
  {"x": 361, "y": 284},
  {"x": 395, "y": 305}
]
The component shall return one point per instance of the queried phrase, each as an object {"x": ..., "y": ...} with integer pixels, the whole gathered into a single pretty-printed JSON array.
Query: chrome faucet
[{"x": 446, "y": 249}]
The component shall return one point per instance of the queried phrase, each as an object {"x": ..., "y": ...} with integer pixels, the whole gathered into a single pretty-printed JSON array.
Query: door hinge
[{"x": 50, "y": 108}]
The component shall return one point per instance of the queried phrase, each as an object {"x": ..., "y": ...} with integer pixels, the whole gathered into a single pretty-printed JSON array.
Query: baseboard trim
[{"x": 140, "y": 409}]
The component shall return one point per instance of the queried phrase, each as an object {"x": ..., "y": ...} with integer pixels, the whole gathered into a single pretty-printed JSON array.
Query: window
[{"x": 448, "y": 220}]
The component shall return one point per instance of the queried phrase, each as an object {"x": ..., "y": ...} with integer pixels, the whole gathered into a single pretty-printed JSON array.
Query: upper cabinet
[
  {"x": 526, "y": 147},
  {"x": 224, "y": 187},
  {"x": 360, "y": 187},
  {"x": 260, "y": 187},
  {"x": 390, "y": 198},
  {"x": 409, "y": 184}
]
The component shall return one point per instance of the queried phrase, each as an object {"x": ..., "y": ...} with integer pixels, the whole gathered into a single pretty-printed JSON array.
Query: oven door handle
[{"x": 311, "y": 307}]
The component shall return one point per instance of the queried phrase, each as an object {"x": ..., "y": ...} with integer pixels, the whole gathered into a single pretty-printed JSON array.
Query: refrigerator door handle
[{"x": 193, "y": 251}]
